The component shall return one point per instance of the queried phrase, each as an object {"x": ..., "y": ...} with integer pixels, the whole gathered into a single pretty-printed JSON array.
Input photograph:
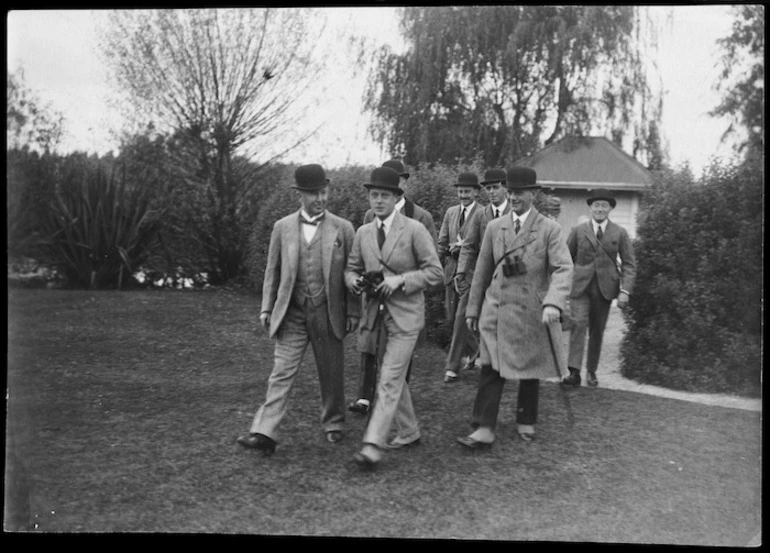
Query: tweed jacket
[
  {"x": 337, "y": 237},
  {"x": 592, "y": 258},
  {"x": 475, "y": 233},
  {"x": 413, "y": 211},
  {"x": 409, "y": 251},
  {"x": 450, "y": 230},
  {"x": 509, "y": 308}
]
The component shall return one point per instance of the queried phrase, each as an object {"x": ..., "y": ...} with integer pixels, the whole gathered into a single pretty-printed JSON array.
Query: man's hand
[
  {"x": 472, "y": 323},
  {"x": 459, "y": 283},
  {"x": 390, "y": 285},
  {"x": 623, "y": 300},
  {"x": 351, "y": 324},
  {"x": 264, "y": 320},
  {"x": 357, "y": 287},
  {"x": 551, "y": 314}
]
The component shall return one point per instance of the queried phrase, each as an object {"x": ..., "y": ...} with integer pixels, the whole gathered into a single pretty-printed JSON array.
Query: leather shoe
[
  {"x": 334, "y": 436},
  {"x": 358, "y": 407},
  {"x": 573, "y": 379},
  {"x": 258, "y": 441},
  {"x": 364, "y": 462},
  {"x": 393, "y": 444},
  {"x": 591, "y": 379},
  {"x": 449, "y": 378},
  {"x": 527, "y": 436},
  {"x": 470, "y": 443}
]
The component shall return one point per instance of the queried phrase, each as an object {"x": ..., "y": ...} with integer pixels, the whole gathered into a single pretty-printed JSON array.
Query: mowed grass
[{"x": 124, "y": 408}]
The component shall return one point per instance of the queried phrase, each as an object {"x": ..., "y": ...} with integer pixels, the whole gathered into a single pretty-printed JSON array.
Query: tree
[
  {"x": 31, "y": 123},
  {"x": 220, "y": 83},
  {"x": 742, "y": 80},
  {"x": 501, "y": 81}
]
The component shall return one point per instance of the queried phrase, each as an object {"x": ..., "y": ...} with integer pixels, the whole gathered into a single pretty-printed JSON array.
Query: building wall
[{"x": 573, "y": 206}]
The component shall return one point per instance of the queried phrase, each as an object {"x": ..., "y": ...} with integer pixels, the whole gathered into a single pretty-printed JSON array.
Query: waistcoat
[{"x": 309, "y": 285}]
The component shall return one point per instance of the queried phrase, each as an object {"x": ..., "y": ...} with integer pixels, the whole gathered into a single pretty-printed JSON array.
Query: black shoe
[
  {"x": 573, "y": 379},
  {"x": 591, "y": 379},
  {"x": 258, "y": 441},
  {"x": 358, "y": 407},
  {"x": 334, "y": 436},
  {"x": 364, "y": 462}
]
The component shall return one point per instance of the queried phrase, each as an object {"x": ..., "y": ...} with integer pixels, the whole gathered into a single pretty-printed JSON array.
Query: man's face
[
  {"x": 520, "y": 200},
  {"x": 600, "y": 210},
  {"x": 315, "y": 202},
  {"x": 466, "y": 194},
  {"x": 495, "y": 192},
  {"x": 382, "y": 202}
]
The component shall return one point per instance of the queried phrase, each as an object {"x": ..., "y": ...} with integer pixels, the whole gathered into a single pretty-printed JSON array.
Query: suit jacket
[
  {"x": 413, "y": 211},
  {"x": 592, "y": 258},
  {"x": 450, "y": 230},
  {"x": 475, "y": 233},
  {"x": 509, "y": 308},
  {"x": 337, "y": 237},
  {"x": 409, "y": 251}
]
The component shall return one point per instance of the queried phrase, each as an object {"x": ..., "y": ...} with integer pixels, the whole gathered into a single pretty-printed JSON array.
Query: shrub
[
  {"x": 99, "y": 229},
  {"x": 694, "y": 321}
]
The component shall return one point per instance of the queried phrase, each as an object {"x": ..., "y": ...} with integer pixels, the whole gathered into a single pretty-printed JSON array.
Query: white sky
[{"x": 56, "y": 49}]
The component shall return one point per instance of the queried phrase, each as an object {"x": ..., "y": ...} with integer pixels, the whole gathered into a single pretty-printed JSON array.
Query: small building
[{"x": 573, "y": 166}]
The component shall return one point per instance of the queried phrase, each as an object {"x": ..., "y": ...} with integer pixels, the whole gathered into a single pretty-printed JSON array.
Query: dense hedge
[{"x": 694, "y": 321}]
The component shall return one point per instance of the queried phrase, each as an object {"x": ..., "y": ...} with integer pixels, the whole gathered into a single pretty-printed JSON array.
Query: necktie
[
  {"x": 462, "y": 216},
  {"x": 516, "y": 226},
  {"x": 497, "y": 214},
  {"x": 313, "y": 222},
  {"x": 599, "y": 233},
  {"x": 381, "y": 234}
]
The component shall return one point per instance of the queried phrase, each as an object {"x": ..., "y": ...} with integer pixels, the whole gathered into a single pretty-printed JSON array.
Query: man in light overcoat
[
  {"x": 520, "y": 285},
  {"x": 605, "y": 269},
  {"x": 403, "y": 251},
  {"x": 454, "y": 228},
  {"x": 305, "y": 301}
]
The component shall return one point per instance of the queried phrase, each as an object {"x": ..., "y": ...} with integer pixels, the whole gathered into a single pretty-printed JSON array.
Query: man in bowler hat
[
  {"x": 305, "y": 301},
  {"x": 410, "y": 209},
  {"x": 402, "y": 251},
  {"x": 451, "y": 237},
  {"x": 520, "y": 286},
  {"x": 595, "y": 247}
]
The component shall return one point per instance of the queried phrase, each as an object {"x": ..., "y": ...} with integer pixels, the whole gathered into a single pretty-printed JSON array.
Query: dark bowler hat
[
  {"x": 310, "y": 178},
  {"x": 468, "y": 179},
  {"x": 397, "y": 166},
  {"x": 384, "y": 178},
  {"x": 601, "y": 194},
  {"x": 521, "y": 178},
  {"x": 492, "y": 176}
]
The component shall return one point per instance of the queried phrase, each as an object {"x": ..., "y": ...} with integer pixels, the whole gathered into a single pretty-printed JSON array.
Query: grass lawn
[{"x": 124, "y": 408}]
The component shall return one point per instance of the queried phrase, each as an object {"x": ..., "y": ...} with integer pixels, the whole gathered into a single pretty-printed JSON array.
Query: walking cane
[
  {"x": 378, "y": 325},
  {"x": 565, "y": 397}
]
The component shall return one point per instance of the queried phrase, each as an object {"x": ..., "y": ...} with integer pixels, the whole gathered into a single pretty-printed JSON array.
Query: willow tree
[
  {"x": 498, "y": 82},
  {"x": 224, "y": 85}
]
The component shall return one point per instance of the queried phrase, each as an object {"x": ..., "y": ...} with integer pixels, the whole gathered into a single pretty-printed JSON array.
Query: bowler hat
[
  {"x": 468, "y": 179},
  {"x": 384, "y": 178},
  {"x": 398, "y": 166},
  {"x": 601, "y": 194},
  {"x": 492, "y": 176},
  {"x": 521, "y": 178},
  {"x": 310, "y": 177}
]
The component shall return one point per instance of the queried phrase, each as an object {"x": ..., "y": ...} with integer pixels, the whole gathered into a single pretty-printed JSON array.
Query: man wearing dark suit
[
  {"x": 520, "y": 287},
  {"x": 366, "y": 377},
  {"x": 304, "y": 300},
  {"x": 596, "y": 246},
  {"x": 451, "y": 236},
  {"x": 402, "y": 250}
]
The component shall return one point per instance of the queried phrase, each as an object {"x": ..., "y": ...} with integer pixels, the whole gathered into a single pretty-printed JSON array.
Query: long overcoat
[{"x": 509, "y": 309}]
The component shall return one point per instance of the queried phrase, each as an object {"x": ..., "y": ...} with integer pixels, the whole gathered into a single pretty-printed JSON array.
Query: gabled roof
[{"x": 586, "y": 163}]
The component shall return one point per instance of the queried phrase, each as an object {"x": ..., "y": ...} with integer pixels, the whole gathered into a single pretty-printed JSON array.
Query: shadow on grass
[{"x": 124, "y": 409}]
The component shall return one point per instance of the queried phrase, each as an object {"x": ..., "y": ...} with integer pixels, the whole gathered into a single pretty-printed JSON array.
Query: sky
[{"x": 58, "y": 53}]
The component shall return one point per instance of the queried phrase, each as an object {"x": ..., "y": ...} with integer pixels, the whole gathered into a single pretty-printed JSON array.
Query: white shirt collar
[
  {"x": 521, "y": 218},
  {"x": 500, "y": 208},
  {"x": 596, "y": 225},
  {"x": 467, "y": 208},
  {"x": 308, "y": 217},
  {"x": 400, "y": 203},
  {"x": 387, "y": 222}
]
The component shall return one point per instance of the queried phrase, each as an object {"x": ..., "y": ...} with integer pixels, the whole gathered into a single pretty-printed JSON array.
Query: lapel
[
  {"x": 588, "y": 230},
  {"x": 293, "y": 237},
  {"x": 392, "y": 238},
  {"x": 468, "y": 216},
  {"x": 328, "y": 239}
]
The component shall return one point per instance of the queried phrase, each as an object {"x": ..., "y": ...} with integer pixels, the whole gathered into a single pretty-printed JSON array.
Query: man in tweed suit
[
  {"x": 451, "y": 237},
  {"x": 520, "y": 286},
  {"x": 402, "y": 250},
  {"x": 596, "y": 246},
  {"x": 304, "y": 300}
]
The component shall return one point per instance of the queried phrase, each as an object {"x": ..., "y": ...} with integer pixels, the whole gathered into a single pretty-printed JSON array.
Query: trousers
[
  {"x": 464, "y": 342},
  {"x": 302, "y": 325},
  {"x": 490, "y": 391},
  {"x": 589, "y": 311}
]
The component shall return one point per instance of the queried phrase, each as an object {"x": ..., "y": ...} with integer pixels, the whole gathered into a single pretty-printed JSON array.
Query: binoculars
[
  {"x": 370, "y": 280},
  {"x": 514, "y": 268}
]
